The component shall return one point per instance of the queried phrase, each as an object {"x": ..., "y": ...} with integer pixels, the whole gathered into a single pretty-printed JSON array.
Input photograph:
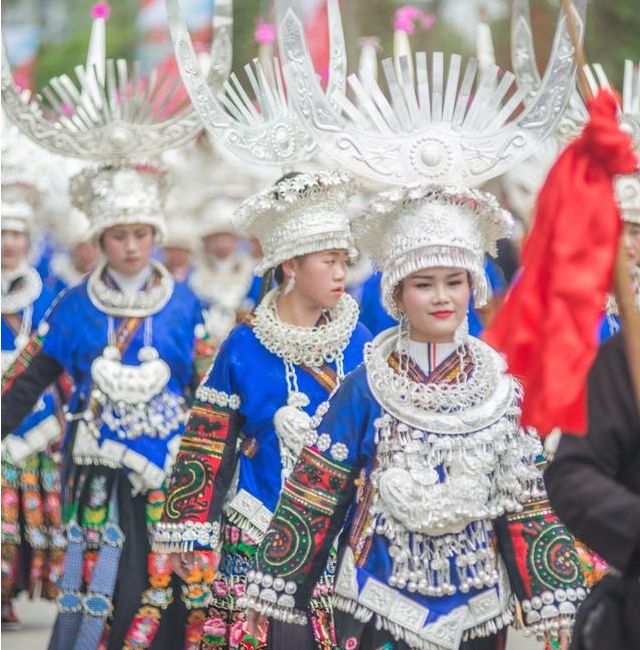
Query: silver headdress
[
  {"x": 20, "y": 195},
  {"x": 628, "y": 194},
  {"x": 216, "y": 215},
  {"x": 526, "y": 72},
  {"x": 263, "y": 129},
  {"x": 572, "y": 123},
  {"x": 120, "y": 194},
  {"x": 18, "y": 207},
  {"x": 435, "y": 129},
  {"x": 299, "y": 215},
  {"x": 413, "y": 228},
  {"x": 110, "y": 112}
]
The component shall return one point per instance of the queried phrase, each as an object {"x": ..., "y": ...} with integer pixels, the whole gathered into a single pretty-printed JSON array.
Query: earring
[
  {"x": 461, "y": 335},
  {"x": 403, "y": 333},
  {"x": 291, "y": 282}
]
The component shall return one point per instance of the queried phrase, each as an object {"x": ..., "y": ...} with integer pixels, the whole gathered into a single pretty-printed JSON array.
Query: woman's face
[
  {"x": 320, "y": 277},
  {"x": 15, "y": 248},
  {"x": 435, "y": 301},
  {"x": 128, "y": 247},
  {"x": 85, "y": 256},
  {"x": 631, "y": 242},
  {"x": 220, "y": 245}
]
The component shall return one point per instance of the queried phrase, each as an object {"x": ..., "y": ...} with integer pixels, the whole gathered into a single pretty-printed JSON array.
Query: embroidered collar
[
  {"x": 105, "y": 295},
  {"x": 474, "y": 399},
  {"x": 429, "y": 356},
  {"x": 308, "y": 346},
  {"x": 23, "y": 292}
]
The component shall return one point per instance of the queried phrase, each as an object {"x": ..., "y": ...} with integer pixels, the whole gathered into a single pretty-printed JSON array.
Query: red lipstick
[{"x": 442, "y": 314}]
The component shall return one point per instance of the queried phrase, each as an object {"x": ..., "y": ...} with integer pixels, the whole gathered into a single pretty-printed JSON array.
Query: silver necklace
[
  {"x": 309, "y": 346},
  {"x": 24, "y": 295},
  {"x": 471, "y": 403},
  {"x": 145, "y": 302},
  {"x": 134, "y": 399}
]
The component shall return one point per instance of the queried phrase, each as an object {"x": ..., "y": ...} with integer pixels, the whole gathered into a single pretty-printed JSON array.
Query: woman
[
  {"x": 254, "y": 409},
  {"x": 32, "y": 538},
  {"x": 421, "y": 463},
  {"x": 129, "y": 337}
]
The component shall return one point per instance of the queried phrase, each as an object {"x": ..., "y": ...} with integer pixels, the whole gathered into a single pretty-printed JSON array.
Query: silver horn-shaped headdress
[
  {"x": 265, "y": 130},
  {"x": 110, "y": 112},
  {"x": 525, "y": 67},
  {"x": 434, "y": 129}
]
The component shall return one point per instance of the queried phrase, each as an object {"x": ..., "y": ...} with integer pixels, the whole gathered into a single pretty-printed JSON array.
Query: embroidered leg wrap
[
  {"x": 10, "y": 529},
  {"x": 155, "y": 600},
  {"x": 97, "y": 604},
  {"x": 68, "y": 620}
]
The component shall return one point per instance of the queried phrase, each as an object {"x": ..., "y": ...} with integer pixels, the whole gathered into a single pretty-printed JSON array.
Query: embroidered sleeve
[
  {"x": 22, "y": 361},
  {"x": 543, "y": 564},
  {"x": 25, "y": 381},
  {"x": 203, "y": 353},
  {"x": 204, "y": 467},
  {"x": 293, "y": 554}
]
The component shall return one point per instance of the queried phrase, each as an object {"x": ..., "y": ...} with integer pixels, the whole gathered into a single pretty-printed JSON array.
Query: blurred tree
[
  {"x": 613, "y": 34},
  {"x": 613, "y": 27}
]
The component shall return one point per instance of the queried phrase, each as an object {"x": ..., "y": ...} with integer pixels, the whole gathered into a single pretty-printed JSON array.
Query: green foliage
[
  {"x": 613, "y": 27},
  {"x": 60, "y": 57}
]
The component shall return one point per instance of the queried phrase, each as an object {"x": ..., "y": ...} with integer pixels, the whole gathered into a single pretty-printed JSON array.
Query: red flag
[{"x": 547, "y": 327}]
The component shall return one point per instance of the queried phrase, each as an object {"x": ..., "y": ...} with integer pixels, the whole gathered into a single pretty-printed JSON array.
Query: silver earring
[
  {"x": 291, "y": 282},
  {"x": 461, "y": 335},
  {"x": 403, "y": 333}
]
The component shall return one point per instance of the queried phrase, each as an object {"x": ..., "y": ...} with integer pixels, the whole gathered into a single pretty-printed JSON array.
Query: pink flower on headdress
[
  {"x": 264, "y": 33},
  {"x": 101, "y": 10},
  {"x": 407, "y": 18}
]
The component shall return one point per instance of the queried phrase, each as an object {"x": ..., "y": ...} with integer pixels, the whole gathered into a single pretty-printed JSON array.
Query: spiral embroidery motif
[{"x": 552, "y": 558}]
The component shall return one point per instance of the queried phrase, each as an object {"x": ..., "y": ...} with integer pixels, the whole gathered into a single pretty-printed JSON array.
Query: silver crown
[
  {"x": 19, "y": 203},
  {"x": 412, "y": 228},
  {"x": 433, "y": 129},
  {"x": 299, "y": 215},
  {"x": 628, "y": 195},
  {"x": 263, "y": 128},
  {"x": 112, "y": 195},
  {"x": 526, "y": 70},
  {"x": 114, "y": 113}
]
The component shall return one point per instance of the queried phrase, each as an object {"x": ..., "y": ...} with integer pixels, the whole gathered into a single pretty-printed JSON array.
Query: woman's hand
[
  {"x": 257, "y": 624},
  {"x": 184, "y": 563},
  {"x": 560, "y": 642}
]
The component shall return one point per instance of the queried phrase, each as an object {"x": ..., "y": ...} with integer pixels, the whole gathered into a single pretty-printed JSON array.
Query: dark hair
[
  {"x": 283, "y": 178},
  {"x": 278, "y": 274}
]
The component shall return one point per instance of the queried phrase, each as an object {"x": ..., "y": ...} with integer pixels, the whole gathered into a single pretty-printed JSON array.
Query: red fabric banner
[{"x": 547, "y": 327}]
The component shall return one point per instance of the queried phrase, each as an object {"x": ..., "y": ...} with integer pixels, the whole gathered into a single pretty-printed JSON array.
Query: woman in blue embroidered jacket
[
  {"x": 421, "y": 463},
  {"x": 32, "y": 537},
  {"x": 272, "y": 373},
  {"x": 128, "y": 336}
]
